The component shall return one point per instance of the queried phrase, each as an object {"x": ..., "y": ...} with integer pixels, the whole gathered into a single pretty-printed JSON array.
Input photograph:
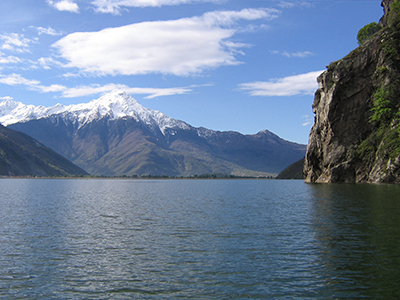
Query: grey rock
[{"x": 342, "y": 107}]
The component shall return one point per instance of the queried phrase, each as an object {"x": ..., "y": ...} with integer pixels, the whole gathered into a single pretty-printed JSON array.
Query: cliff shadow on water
[{"x": 356, "y": 133}]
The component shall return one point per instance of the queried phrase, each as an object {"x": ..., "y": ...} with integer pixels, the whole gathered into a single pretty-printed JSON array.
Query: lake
[{"x": 198, "y": 239}]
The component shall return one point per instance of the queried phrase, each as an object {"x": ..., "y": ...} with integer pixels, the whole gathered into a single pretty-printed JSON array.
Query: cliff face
[
  {"x": 386, "y": 9},
  {"x": 355, "y": 136}
]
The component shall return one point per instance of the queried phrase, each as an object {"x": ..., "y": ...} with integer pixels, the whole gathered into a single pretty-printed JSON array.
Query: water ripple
[{"x": 198, "y": 239}]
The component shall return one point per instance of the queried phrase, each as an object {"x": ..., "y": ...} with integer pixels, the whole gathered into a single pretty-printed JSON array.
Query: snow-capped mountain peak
[
  {"x": 114, "y": 105},
  {"x": 12, "y": 112}
]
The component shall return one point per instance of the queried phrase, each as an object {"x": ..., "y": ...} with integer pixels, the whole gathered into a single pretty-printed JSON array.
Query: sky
[{"x": 240, "y": 65}]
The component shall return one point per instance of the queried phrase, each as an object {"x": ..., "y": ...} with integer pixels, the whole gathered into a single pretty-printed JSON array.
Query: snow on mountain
[
  {"x": 115, "y": 105},
  {"x": 133, "y": 145}
]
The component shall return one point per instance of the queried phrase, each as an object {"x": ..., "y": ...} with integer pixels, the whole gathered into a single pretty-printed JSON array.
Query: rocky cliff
[{"x": 355, "y": 136}]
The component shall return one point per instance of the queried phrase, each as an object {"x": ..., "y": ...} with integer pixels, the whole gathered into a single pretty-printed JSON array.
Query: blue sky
[{"x": 242, "y": 65}]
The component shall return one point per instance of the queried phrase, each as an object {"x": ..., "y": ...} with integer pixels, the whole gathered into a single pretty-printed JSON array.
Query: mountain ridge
[
  {"x": 115, "y": 135},
  {"x": 21, "y": 155},
  {"x": 116, "y": 104}
]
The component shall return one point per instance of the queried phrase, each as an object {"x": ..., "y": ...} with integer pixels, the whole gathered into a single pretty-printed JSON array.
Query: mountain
[
  {"x": 294, "y": 171},
  {"x": 356, "y": 134},
  {"x": 115, "y": 135},
  {"x": 20, "y": 155}
]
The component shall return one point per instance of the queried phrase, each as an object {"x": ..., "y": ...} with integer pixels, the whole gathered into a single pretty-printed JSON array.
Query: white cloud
[
  {"x": 307, "y": 120},
  {"x": 50, "y": 88},
  {"x": 15, "y": 42},
  {"x": 34, "y": 85},
  {"x": 48, "y": 30},
  {"x": 9, "y": 59},
  {"x": 253, "y": 28},
  {"x": 47, "y": 62},
  {"x": 303, "y": 84},
  {"x": 180, "y": 47},
  {"x": 227, "y": 18},
  {"x": 116, "y": 6},
  {"x": 299, "y": 54},
  {"x": 64, "y": 5},
  {"x": 95, "y": 89},
  {"x": 285, "y": 4},
  {"x": 16, "y": 79},
  {"x": 6, "y": 98},
  {"x": 159, "y": 92}
]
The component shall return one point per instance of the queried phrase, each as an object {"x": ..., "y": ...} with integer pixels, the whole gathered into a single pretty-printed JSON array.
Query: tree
[{"x": 367, "y": 31}]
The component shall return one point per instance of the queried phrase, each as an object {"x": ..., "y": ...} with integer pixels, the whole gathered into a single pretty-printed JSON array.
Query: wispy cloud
[
  {"x": 181, "y": 47},
  {"x": 47, "y": 62},
  {"x": 48, "y": 31},
  {"x": 291, "y": 4},
  {"x": 96, "y": 89},
  {"x": 15, "y": 42},
  {"x": 6, "y": 98},
  {"x": 89, "y": 90},
  {"x": 64, "y": 5},
  {"x": 117, "y": 6},
  {"x": 9, "y": 59},
  {"x": 307, "y": 120},
  {"x": 16, "y": 79},
  {"x": 303, "y": 84},
  {"x": 299, "y": 54},
  {"x": 31, "y": 84}
]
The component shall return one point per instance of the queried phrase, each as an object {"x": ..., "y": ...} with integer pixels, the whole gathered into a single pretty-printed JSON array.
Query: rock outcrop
[
  {"x": 355, "y": 136},
  {"x": 386, "y": 9}
]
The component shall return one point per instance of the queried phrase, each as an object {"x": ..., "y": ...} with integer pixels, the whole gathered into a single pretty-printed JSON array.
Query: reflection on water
[
  {"x": 357, "y": 229},
  {"x": 198, "y": 239}
]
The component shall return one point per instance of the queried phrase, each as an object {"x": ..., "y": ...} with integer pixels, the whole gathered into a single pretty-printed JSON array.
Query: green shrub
[
  {"x": 367, "y": 31},
  {"x": 394, "y": 14},
  {"x": 382, "y": 107},
  {"x": 398, "y": 121},
  {"x": 385, "y": 139}
]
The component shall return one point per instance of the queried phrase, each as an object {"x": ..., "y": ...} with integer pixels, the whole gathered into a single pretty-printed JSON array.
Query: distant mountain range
[
  {"x": 115, "y": 135},
  {"x": 21, "y": 155}
]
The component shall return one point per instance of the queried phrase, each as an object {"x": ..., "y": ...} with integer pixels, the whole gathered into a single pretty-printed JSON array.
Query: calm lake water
[{"x": 198, "y": 239}]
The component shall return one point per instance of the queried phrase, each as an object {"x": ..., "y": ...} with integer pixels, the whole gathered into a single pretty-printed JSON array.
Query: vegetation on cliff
[
  {"x": 367, "y": 31},
  {"x": 385, "y": 110}
]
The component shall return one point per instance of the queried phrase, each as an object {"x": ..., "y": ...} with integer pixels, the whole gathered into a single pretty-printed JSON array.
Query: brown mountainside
[{"x": 21, "y": 155}]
